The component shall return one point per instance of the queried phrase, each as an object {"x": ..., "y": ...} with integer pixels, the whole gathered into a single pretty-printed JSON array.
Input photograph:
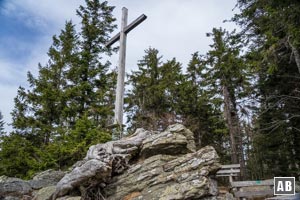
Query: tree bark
[
  {"x": 296, "y": 55},
  {"x": 227, "y": 109},
  {"x": 236, "y": 137},
  {"x": 240, "y": 147}
]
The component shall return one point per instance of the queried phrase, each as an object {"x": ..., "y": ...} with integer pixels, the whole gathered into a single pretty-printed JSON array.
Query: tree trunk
[
  {"x": 240, "y": 146},
  {"x": 236, "y": 137},
  {"x": 296, "y": 55},
  {"x": 232, "y": 132}
]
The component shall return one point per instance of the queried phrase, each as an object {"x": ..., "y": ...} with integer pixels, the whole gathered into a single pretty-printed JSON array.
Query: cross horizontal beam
[{"x": 127, "y": 29}]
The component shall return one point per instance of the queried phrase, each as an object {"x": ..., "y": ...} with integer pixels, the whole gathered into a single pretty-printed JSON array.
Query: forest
[{"x": 241, "y": 97}]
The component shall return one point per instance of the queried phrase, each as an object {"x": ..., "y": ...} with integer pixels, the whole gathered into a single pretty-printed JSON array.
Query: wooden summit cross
[{"x": 118, "y": 119}]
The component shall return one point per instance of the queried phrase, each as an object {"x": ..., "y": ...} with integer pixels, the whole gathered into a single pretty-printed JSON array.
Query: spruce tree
[
  {"x": 152, "y": 100},
  {"x": 92, "y": 82},
  {"x": 39, "y": 112},
  {"x": 144, "y": 98},
  {"x": 271, "y": 29},
  {"x": 68, "y": 104},
  {"x": 228, "y": 79},
  {"x": 40, "y": 116},
  {"x": 199, "y": 112},
  {"x": 161, "y": 95}
]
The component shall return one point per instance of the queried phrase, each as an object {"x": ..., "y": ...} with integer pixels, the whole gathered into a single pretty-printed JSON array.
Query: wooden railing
[
  {"x": 251, "y": 189},
  {"x": 246, "y": 189},
  {"x": 229, "y": 171}
]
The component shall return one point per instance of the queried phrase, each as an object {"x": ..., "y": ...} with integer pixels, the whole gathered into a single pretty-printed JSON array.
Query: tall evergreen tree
[
  {"x": 69, "y": 102},
  {"x": 226, "y": 75},
  {"x": 92, "y": 82},
  {"x": 39, "y": 112},
  {"x": 271, "y": 28},
  {"x": 40, "y": 116},
  {"x": 198, "y": 111},
  {"x": 151, "y": 101},
  {"x": 161, "y": 95},
  {"x": 145, "y": 99}
]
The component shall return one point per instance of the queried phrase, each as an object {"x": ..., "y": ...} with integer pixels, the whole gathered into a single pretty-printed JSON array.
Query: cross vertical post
[
  {"x": 122, "y": 35},
  {"x": 121, "y": 72}
]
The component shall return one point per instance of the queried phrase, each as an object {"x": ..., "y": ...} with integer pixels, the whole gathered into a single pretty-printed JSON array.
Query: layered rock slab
[
  {"x": 175, "y": 140},
  {"x": 167, "y": 166},
  {"x": 168, "y": 177},
  {"x": 146, "y": 165}
]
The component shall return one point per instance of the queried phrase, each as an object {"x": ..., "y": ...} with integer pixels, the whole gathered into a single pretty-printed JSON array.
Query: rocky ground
[{"x": 145, "y": 166}]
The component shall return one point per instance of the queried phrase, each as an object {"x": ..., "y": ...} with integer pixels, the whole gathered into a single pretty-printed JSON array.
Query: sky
[{"x": 177, "y": 28}]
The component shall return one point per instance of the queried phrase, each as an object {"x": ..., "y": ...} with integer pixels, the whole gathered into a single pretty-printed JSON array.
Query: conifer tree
[
  {"x": 227, "y": 76},
  {"x": 92, "y": 82},
  {"x": 271, "y": 29},
  {"x": 68, "y": 104},
  {"x": 199, "y": 112},
  {"x": 171, "y": 82},
  {"x": 143, "y": 98},
  {"x": 40, "y": 116},
  {"x": 39, "y": 112},
  {"x": 152, "y": 99}
]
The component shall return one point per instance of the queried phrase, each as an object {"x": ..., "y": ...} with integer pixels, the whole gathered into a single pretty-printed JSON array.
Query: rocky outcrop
[
  {"x": 144, "y": 166},
  {"x": 101, "y": 162},
  {"x": 175, "y": 140},
  {"x": 147, "y": 165},
  {"x": 15, "y": 188},
  {"x": 168, "y": 177}
]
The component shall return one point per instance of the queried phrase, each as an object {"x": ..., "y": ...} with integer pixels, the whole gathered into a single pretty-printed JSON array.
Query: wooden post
[
  {"x": 118, "y": 119},
  {"x": 121, "y": 73}
]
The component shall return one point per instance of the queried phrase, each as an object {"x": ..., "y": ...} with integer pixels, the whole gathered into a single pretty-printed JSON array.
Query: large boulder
[
  {"x": 175, "y": 140},
  {"x": 168, "y": 177},
  {"x": 146, "y": 165}
]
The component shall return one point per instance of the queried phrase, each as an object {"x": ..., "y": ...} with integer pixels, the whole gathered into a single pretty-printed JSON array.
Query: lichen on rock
[
  {"x": 166, "y": 166},
  {"x": 144, "y": 166}
]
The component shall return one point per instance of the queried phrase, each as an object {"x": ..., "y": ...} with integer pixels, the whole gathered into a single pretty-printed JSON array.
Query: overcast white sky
[{"x": 177, "y": 28}]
